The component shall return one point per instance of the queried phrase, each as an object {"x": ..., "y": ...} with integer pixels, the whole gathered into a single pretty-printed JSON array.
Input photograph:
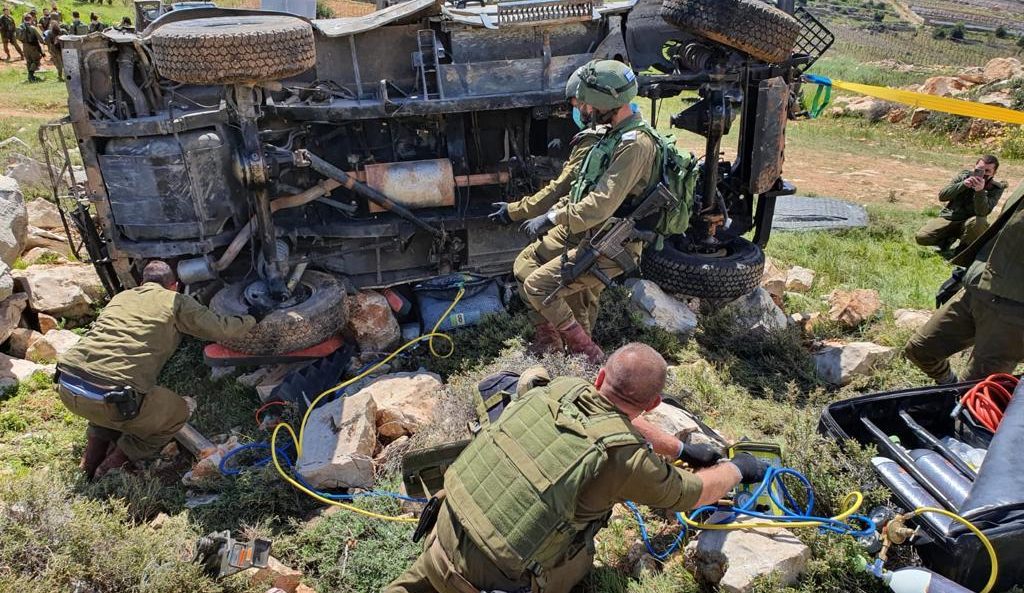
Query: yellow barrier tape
[{"x": 935, "y": 103}]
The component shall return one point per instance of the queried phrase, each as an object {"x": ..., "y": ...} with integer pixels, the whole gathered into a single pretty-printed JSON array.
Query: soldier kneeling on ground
[
  {"x": 523, "y": 502},
  {"x": 109, "y": 377},
  {"x": 986, "y": 311},
  {"x": 968, "y": 199}
]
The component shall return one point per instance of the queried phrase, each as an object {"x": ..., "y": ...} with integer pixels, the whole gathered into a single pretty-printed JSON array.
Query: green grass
[
  {"x": 848, "y": 68},
  {"x": 16, "y": 93},
  {"x": 760, "y": 388},
  {"x": 869, "y": 258}
]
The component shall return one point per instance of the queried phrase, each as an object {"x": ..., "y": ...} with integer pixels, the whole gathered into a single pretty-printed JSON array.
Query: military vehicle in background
[{"x": 278, "y": 159}]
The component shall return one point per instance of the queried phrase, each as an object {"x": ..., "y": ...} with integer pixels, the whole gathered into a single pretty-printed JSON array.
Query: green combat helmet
[
  {"x": 606, "y": 85},
  {"x": 572, "y": 86}
]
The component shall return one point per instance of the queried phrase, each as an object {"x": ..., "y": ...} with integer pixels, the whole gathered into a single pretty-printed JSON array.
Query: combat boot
[
  {"x": 115, "y": 460},
  {"x": 546, "y": 340},
  {"x": 578, "y": 342},
  {"x": 94, "y": 454}
]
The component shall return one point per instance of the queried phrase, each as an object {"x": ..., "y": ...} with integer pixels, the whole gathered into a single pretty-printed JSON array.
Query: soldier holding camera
[{"x": 968, "y": 199}]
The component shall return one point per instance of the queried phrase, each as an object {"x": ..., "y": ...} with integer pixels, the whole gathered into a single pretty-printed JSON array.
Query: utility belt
[{"x": 125, "y": 399}]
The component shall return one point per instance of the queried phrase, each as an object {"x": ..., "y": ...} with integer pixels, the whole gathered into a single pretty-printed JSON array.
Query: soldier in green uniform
[
  {"x": 32, "y": 41},
  {"x": 109, "y": 378},
  {"x": 7, "y": 30},
  {"x": 77, "y": 26},
  {"x": 584, "y": 304},
  {"x": 617, "y": 170},
  {"x": 523, "y": 502},
  {"x": 988, "y": 312},
  {"x": 52, "y": 38},
  {"x": 969, "y": 198},
  {"x": 95, "y": 25}
]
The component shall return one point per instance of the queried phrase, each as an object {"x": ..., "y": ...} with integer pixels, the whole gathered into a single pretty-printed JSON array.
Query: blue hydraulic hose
[
  {"x": 664, "y": 554},
  {"x": 779, "y": 493}
]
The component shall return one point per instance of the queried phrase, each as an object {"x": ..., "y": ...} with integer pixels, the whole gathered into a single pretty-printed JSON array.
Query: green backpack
[
  {"x": 679, "y": 174},
  {"x": 678, "y": 171}
]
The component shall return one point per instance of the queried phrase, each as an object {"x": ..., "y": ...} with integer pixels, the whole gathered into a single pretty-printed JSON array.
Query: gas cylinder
[
  {"x": 915, "y": 579},
  {"x": 912, "y": 494},
  {"x": 941, "y": 473}
]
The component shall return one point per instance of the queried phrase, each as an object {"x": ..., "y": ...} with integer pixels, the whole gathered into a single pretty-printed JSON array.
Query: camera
[{"x": 978, "y": 172}]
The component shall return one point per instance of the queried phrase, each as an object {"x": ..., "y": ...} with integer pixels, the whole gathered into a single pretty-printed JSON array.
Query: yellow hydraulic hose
[
  {"x": 993, "y": 559},
  {"x": 297, "y": 439}
]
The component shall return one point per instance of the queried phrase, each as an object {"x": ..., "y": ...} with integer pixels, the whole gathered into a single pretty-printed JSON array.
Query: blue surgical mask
[{"x": 577, "y": 117}]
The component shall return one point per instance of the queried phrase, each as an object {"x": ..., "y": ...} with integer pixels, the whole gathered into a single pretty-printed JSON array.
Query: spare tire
[
  {"x": 751, "y": 26},
  {"x": 319, "y": 316},
  {"x": 233, "y": 49},
  {"x": 731, "y": 273}
]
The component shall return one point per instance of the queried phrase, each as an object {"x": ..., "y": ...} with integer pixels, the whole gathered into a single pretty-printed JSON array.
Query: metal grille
[
  {"x": 814, "y": 39},
  {"x": 545, "y": 11}
]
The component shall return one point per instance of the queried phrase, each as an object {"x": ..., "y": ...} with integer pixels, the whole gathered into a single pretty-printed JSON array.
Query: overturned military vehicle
[{"x": 279, "y": 159}]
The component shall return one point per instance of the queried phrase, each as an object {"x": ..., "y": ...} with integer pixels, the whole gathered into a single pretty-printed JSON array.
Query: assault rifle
[{"x": 611, "y": 239}]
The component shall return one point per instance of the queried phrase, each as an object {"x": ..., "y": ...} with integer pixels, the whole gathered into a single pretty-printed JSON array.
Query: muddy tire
[
  {"x": 233, "y": 49},
  {"x": 728, "y": 275},
  {"x": 751, "y": 26},
  {"x": 312, "y": 321}
]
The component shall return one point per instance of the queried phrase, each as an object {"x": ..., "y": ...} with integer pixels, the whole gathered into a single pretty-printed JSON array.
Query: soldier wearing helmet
[
  {"x": 584, "y": 304},
  {"x": 618, "y": 168}
]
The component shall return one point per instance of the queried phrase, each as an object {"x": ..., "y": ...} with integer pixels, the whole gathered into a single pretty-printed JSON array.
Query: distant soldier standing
[
  {"x": 95, "y": 26},
  {"x": 109, "y": 378},
  {"x": 77, "y": 26},
  {"x": 44, "y": 21},
  {"x": 7, "y": 30},
  {"x": 52, "y": 37},
  {"x": 968, "y": 199},
  {"x": 32, "y": 40}
]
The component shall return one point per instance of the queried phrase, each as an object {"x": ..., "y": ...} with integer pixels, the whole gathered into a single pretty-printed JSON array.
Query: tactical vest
[
  {"x": 597, "y": 161},
  {"x": 515, "y": 487}
]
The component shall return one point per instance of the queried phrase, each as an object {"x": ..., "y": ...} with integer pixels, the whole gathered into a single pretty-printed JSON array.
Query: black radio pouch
[{"x": 126, "y": 401}]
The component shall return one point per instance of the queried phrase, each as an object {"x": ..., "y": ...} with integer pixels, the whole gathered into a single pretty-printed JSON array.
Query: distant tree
[
  {"x": 959, "y": 32},
  {"x": 879, "y": 16},
  {"x": 1001, "y": 32},
  {"x": 939, "y": 33},
  {"x": 324, "y": 10}
]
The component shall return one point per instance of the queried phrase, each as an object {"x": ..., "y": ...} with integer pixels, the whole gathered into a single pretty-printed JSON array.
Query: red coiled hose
[{"x": 987, "y": 400}]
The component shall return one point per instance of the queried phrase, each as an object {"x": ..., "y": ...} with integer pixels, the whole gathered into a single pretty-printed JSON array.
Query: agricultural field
[
  {"x": 980, "y": 14},
  {"x": 869, "y": 31}
]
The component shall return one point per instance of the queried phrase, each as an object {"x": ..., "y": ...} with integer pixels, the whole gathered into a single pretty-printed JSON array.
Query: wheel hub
[{"x": 258, "y": 294}]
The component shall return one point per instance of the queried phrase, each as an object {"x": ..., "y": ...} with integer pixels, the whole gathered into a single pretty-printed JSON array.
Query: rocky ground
[{"x": 1000, "y": 82}]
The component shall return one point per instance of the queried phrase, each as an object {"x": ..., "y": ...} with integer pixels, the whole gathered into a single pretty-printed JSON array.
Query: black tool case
[{"x": 995, "y": 500}]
